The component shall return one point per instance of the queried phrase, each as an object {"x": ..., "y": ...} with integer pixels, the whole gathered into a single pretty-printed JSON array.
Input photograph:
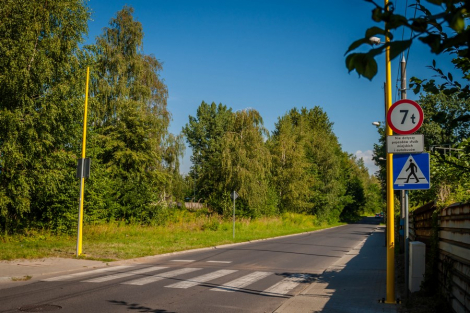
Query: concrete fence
[{"x": 453, "y": 236}]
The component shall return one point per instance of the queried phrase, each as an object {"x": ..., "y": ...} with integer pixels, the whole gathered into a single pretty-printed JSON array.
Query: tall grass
[{"x": 183, "y": 230}]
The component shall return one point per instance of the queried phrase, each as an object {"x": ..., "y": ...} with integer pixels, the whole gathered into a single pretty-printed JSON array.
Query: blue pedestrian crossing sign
[{"x": 411, "y": 171}]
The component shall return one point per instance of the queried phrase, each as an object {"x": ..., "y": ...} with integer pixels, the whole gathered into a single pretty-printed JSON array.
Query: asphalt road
[{"x": 251, "y": 277}]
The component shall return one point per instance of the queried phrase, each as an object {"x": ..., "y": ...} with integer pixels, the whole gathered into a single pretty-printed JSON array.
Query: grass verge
[{"x": 118, "y": 241}]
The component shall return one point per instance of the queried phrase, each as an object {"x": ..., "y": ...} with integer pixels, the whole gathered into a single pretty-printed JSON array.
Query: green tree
[
  {"x": 173, "y": 150},
  {"x": 308, "y": 164},
  {"x": 246, "y": 161},
  {"x": 41, "y": 92},
  {"x": 205, "y": 135},
  {"x": 129, "y": 120},
  {"x": 447, "y": 119},
  {"x": 446, "y": 132},
  {"x": 326, "y": 159},
  {"x": 291, "y": 177}
]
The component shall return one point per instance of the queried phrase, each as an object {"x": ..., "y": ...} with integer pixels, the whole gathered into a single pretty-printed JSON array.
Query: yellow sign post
[
  {"x": 390, "y": 290},
  {"x": 82, "y": 178}
]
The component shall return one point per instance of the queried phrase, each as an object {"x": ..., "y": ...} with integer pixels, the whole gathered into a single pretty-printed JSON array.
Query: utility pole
[{"x": 404, "y": 193}]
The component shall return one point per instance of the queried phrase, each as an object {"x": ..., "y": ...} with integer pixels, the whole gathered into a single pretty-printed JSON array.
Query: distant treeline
[{"x": 135, "y": 177}]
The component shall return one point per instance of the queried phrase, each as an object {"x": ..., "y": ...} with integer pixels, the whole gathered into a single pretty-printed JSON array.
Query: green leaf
[
  {"x": 435, "y": 24},
  {"x": 397, "y": 47},
  {"x": 436, "y": 2},
  {"x": 375, "y": 31},
  {"x": 457, "y": 22},
  {"x": 396, "y": 21},
  {"x": 377, "y": 14},
  {"x": 363, "y": 63},
  {"x": 433, "y": 41},
  {"x": 419, "y": 25},
  {"x": 357, "y": 44}
]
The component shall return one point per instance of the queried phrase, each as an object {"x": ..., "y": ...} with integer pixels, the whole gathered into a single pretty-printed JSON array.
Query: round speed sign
[{"x": 405, "y": 117}]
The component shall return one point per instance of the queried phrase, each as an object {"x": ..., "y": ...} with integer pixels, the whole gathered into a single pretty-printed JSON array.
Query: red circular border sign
[{"x": 396, "y": 104}]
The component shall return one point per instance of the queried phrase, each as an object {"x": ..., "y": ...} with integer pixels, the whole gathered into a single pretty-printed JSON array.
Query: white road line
[
  {"x": 201, "y": 279},
  {"x": 154, "y": 278},
  {"x": 242, "y": 282},
  {"x": 219, "y": 261},
  {"x": 122, "y": 275},
  {"x": 101, "y": 270},
  {"x": 284, "y": 286}
]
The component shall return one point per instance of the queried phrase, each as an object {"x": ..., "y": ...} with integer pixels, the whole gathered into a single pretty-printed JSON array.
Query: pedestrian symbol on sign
[
  {"x": 412, "y": 169},
  {"x": 410, "y": 174}
]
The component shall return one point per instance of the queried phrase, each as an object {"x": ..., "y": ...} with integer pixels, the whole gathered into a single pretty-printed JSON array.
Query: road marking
[
  {"x": 101, "y": 270},
  {"x": 183, "y": 260},
  {"x": 219, "y": 261},
  {"x": 122, "y": 275},
  {"x": 242, "y": 282},
  {"x": 287, "y": 284},
  {"x": 201, "y": 279},
  {"x": 154, "y": 278}
]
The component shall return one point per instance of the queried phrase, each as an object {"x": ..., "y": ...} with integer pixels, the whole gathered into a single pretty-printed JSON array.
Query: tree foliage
[
  {"x": 129, "y": 116},
  {"x": 41, "y": 91},
  {"x": 290, "y": 170},
  {"x": 299, "y": 168},
  {"x": 135, "y": 160},
  {"x": 442, "y": 28}
]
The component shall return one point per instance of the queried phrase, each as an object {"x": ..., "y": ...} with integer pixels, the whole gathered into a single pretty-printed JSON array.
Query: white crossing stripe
[
  {"x": 287, "y": 284},
  {"x": 201, "y": 279},
  {"x": 122, "y": 275},
  {"x": 242, "y": 282},
  {"x": 154, "y": 278},
  {"x": 98, "y": 271}
]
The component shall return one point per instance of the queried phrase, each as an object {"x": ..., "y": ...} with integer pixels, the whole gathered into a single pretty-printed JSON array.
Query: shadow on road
[{"x": 136, "y": 306}]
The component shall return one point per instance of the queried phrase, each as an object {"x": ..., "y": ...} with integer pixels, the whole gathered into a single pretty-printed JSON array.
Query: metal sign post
[{"x": 234, "y": 195}]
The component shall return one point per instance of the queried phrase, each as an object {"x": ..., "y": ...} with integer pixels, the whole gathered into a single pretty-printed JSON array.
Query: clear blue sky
[{"x": 270, "y": 56}]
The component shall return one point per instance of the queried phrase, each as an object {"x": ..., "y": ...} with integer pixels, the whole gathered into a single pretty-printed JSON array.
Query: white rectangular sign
[{"x": 405, "y": 143}]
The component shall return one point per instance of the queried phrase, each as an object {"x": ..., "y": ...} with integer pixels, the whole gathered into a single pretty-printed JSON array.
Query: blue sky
[{"x": 270, "y": 56}]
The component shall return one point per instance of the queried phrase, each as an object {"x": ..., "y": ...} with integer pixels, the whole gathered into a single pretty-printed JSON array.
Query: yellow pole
[
  {"x": 390, "y": 292},
  {"x": 82, "y": 179}
]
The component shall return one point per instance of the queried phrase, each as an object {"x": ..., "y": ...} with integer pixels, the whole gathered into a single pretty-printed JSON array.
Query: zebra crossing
[{"x": 154, "y": 274}]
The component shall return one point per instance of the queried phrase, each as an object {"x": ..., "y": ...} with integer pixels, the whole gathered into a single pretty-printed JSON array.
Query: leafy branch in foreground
[{"x": 444, "y": 31}]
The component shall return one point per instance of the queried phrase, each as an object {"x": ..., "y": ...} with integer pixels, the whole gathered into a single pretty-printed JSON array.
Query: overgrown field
[{"x": 117, "y": 240}]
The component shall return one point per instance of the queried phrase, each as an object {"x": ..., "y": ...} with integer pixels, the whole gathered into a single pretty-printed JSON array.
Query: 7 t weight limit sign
[{"x": 405, "y": 117}]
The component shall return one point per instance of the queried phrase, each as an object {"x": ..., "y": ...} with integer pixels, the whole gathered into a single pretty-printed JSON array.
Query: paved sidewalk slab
[
  {"x": 354, "y": 284},
  {"x": 32, "y": 270}
]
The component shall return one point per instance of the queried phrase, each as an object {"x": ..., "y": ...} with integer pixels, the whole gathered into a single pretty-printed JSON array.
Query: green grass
[
  {"x": 117, "y": 241},
  {"x": 24, "y": 278}
]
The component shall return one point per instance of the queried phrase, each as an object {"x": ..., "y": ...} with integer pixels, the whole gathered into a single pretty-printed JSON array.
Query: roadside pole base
[{"x": 398, "y": 301}]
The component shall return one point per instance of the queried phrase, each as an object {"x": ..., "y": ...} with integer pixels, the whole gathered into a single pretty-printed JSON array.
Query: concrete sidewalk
[
  {"x": 17, "y": 272},
  {"x": 354, "y": 284}
]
